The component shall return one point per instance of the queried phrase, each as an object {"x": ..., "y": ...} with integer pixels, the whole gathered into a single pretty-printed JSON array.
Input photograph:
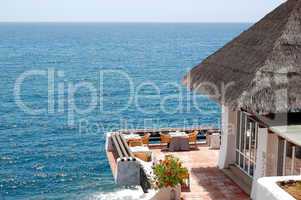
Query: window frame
[{"x": 247, "y": 134}]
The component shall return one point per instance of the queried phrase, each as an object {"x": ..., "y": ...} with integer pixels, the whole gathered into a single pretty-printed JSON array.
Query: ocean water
[{"x": 58, "y": 151}]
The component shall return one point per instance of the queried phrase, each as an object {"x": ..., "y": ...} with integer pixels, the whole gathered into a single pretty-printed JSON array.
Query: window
[
  {"x": 291, "y": 159},
  {"x": 246, "y": 143}
]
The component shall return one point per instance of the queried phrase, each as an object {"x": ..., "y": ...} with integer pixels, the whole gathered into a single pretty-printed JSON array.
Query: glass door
[{"x": 246, "y": 143}]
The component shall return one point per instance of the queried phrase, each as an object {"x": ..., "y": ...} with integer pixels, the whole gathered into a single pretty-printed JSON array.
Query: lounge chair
[
  {"x": 135, "y": 143},
  {"x": 164, "y": 139},
  {"x": 145, "y": 139},
  {"x": 146, "y": 157},
  {"x": 193, "y": 138},
  {"x": 142, "y": 152}
]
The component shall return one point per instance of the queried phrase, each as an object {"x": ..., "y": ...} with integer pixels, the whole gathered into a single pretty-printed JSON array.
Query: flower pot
[{"x": 168, "y": 193}]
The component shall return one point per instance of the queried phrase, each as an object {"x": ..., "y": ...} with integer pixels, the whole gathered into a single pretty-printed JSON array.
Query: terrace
[{"x": 206, "y": 181}]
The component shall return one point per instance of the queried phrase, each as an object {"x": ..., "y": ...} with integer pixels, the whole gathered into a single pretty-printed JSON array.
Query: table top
[
  {"x": 178, "y": 134},
  {"x": 140, "y": 149}
]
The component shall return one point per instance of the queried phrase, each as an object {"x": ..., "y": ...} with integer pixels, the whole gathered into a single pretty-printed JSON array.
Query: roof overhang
[
  {"x": 258, "y": 71},
  {"x": 291, "y": 133}
]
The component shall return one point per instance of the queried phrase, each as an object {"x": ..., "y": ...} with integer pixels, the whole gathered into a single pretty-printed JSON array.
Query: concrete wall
[
  {"x": 108, "y": 145},
  {"x": 268, "y": 189},
  {"x": 128, "y": 173},
  {"x": 227, "y": 154}
]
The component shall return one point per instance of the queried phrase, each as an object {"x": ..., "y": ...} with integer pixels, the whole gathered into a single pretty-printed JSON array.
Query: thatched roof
[{"x": 264, "y": 64}]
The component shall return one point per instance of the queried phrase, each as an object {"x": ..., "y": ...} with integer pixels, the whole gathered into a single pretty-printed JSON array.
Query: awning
[{"x": 291, "y": 133}]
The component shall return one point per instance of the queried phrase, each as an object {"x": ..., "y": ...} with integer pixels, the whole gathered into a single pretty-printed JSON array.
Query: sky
[{"x": 135, "y": 10}]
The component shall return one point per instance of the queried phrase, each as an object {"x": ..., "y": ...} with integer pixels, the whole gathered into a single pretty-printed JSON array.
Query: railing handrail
[{"x": 141, "y": 131}]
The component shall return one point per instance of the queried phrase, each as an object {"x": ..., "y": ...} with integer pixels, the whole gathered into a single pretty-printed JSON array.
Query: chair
[
  {"x": 193, "y": 138},
  {"x": 135, "y": 143},
  {"x": 143, "y": 156},
  {"x": 164, "y": 139},
  {"x": 145, "y": 139}
]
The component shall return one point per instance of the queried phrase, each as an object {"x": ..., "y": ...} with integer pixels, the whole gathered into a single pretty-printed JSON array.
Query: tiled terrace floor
[{"x": 207, "y": 182}]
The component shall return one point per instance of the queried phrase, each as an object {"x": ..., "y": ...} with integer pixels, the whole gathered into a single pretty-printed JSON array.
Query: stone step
[
  {"x": 238, "y": 172},
  {"x": 240, "y": 178}
]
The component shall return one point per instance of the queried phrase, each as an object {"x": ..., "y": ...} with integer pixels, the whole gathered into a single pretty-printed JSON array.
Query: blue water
[{"x": 49, "y": 155}]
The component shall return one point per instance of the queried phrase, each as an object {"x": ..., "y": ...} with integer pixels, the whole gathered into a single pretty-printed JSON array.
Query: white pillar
[
  {"x": 261, "y": 158},
  {"x": 228, "y": 138}
]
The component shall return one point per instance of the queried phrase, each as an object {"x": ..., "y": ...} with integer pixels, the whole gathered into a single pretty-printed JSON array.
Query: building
[{"x": 256, "y": 78}]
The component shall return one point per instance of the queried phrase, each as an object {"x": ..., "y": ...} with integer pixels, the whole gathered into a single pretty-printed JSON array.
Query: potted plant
[{"x": 169, "y": 175}]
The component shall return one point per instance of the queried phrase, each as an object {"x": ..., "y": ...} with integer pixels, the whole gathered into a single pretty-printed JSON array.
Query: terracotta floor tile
[{"x": 207, "y": 181}]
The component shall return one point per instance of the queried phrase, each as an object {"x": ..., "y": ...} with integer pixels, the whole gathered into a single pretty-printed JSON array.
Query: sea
[{"x": 64, "y": 85}]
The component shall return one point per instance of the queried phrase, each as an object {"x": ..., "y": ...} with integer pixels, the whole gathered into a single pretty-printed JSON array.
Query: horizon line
[{"x": 129, "y": 22}]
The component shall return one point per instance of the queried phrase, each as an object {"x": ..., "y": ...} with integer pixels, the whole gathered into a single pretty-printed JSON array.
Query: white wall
[
  {"x": 261, "y": 157},
  {"x": 268, "y": 189},
  {"x": 228, "y": 142}
]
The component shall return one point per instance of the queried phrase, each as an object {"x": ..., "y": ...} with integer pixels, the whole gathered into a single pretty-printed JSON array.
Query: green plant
[{"x": 169, "y": 173}]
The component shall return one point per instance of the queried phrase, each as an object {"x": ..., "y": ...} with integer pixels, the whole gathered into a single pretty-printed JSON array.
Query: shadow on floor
[{"x": 216, "y": 185}]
